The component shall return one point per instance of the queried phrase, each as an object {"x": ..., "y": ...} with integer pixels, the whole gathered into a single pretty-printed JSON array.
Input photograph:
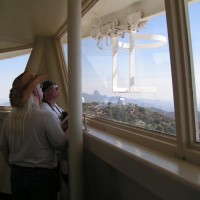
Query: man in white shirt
[{"x": 51, "y": 94}]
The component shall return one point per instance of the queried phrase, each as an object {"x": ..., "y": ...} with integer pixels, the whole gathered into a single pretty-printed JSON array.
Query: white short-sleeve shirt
[
  {"x": 55, "y": 110},
  {"x": 37, "y": 147}
]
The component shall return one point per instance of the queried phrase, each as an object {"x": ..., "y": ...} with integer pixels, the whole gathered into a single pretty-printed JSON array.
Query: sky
[
  {"x": 152, "y": 66},
  {"x": 9, "y": 70}
]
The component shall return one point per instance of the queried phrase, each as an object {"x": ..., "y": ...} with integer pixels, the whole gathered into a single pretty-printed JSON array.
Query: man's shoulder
[
  {"x": 44, "y": 105},
  {"x": 41, "y": 112},
  {"x": 44, "y": 116}
]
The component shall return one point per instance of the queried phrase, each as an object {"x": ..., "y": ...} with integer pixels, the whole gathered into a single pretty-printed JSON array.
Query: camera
[{"x": 64, "y": 114}]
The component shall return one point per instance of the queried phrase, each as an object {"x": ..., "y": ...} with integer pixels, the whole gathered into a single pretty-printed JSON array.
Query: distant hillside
[
  {"x": 162, "y": 105},
  {"x": 5, "y": 104},
  {"x": 97, "y": 97},
  {"x": 165, "y": 113},
  {"x": 164, "y": 108},
  {"x": 133, "y": 115}
]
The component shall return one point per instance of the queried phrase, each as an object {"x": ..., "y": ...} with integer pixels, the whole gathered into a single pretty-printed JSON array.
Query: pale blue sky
[
  {"x": 152, "y": 66},
  {"x": 9, "y": 69}
]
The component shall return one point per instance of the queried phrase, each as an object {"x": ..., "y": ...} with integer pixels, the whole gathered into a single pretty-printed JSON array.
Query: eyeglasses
[
  {"x": 51, "y": 87},
  {"x": 55, "y": 87}
]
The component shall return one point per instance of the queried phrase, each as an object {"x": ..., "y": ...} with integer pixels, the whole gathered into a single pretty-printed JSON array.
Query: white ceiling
[{"x": 23, "y": 20}]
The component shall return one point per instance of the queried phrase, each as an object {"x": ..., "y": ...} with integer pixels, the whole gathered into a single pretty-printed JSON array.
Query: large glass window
[
  {"x": 133, "y": 87},
  {"x": 11, "y": 65},
  {"x": 127, "y": 79}
]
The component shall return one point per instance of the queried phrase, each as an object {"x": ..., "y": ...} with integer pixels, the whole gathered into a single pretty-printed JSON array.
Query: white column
[
  {"x": 75, "y": 99},
  {"x": 115, "y": 63},
  {"x": 132, "y": 62}
]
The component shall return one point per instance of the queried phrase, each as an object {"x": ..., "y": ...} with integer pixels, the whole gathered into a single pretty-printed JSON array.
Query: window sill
[{"x": 123, "y": 155}]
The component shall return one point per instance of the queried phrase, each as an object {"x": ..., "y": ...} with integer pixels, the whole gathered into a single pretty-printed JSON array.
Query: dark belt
[{"x": 29, "y": 169}]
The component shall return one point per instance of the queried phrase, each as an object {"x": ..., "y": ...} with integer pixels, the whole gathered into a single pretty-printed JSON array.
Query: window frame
[
  {"x": 183, "y": 85},
  {"x": 184, "y": 145}
]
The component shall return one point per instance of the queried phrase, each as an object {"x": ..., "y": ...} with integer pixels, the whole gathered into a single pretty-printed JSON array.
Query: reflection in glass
[{"x": 140, "y": 107}]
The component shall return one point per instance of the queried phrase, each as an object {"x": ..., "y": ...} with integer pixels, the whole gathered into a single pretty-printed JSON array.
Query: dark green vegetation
[{"x": 133, "y": 115}]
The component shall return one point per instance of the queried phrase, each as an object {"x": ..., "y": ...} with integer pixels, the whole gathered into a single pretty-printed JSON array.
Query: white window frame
[
  {"x": 161, "y": 40},
  {"x": 184, "y": 145},
  {"x": 183, "y": 79}
]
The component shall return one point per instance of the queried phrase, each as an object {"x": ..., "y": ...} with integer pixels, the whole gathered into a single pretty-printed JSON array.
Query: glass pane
[
  {"x": 64, "y": 45},
  {"x": 150, "y": 105},
  {"x": 10, "y": 68},
  {"x": 194, "y": 15}
]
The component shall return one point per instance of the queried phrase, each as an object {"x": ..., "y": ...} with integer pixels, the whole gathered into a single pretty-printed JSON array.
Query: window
[
  {"x": 130, "y": 91},
  {"x": 11, "y": 65},
  {"x": 150, "y": 103}
]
